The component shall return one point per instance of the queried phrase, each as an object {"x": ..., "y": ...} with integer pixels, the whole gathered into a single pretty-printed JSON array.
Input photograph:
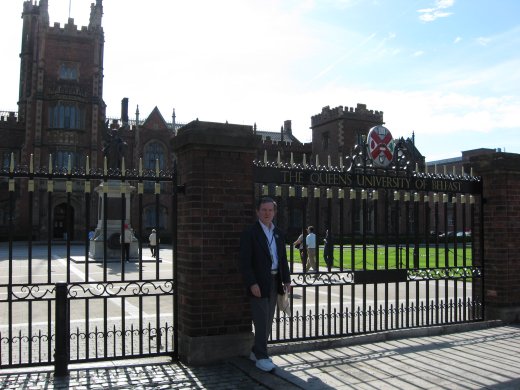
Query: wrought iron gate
[
  {"x": 408, "y": 246},
  {"x": 58, "y": 304}
]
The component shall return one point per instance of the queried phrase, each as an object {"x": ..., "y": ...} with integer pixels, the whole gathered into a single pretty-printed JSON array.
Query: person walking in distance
[
  {"x": 328, "y": 249},
  {"x": 300, "y": 245},
  {"x": 127, "y": 239},
  {"x": 153, "y": 243},
  {"x": 265, "y": 270},
  {"x": 310, "y": 241}
]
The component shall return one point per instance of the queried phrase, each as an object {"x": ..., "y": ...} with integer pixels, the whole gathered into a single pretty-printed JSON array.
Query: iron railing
[
  {"x": 393, "y": 268},
  {"x": 58, "y": 304}
]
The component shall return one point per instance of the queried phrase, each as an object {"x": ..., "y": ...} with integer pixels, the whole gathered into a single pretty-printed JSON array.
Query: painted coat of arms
[{"x": 381, "y": 145}]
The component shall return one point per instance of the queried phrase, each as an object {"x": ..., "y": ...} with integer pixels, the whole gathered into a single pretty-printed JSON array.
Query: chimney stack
[
  {"x": 287, "y": 127},
  {"x": 124, "y": 112}
]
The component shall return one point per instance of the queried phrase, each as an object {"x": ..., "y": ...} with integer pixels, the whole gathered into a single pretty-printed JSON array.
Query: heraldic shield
[{"x": 381, "y": 145}]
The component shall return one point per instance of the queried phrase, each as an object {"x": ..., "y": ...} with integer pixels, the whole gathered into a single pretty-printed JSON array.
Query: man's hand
[
  {"x": 287, "y": 287},
  {"x": 255, "y": 290}
]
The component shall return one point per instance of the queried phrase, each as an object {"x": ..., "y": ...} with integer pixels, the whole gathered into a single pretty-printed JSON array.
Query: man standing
[
  {"x": 328, "y": 249},
  {"x": 300, "y": 245},
  {"x": 153, "y": 242},
  {"x": 310, "y": 241},
  {"x": 126, "y": 240},
  {"x": 263, "y": 262}
]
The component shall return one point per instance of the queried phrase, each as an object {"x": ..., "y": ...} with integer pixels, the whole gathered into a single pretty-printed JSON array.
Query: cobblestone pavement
[
  {"x": 146, "y": 374},
  {"x": 467, "y": 356}
]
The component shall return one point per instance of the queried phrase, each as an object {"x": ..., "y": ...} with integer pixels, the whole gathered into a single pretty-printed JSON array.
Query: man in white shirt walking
[
  {"x": 153, "y": 243},
  {"x": 310, "y": 241}
]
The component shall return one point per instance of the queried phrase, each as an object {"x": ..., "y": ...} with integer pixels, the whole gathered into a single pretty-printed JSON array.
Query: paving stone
[{"x": 487, "y": 358}]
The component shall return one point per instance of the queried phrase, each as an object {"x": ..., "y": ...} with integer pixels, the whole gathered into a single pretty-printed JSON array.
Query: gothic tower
[
  {"x": 336, "y": 131},
  {"x": 61, "y": 86},
  {"x": 61, "y": 108}
]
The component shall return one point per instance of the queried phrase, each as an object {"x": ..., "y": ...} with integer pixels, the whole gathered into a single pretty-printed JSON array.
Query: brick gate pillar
[
  {"x": 215, "y": 162},
  {"x": 501, "y": 192}
]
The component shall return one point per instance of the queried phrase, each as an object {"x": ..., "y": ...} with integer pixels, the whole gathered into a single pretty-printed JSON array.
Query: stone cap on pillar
[{"x": 215, "y": 134}]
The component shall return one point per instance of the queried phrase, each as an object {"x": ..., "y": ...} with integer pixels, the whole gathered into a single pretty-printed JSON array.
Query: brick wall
[
  {"x": 501, "y": 225},
  {"x": 215, "y": 165}
]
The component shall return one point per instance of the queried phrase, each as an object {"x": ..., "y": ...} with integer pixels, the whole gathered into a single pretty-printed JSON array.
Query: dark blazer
[{"x": 255, "y": 260}]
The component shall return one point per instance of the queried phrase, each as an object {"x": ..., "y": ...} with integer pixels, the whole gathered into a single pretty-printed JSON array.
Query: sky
[{"x": 447, "y": 70}]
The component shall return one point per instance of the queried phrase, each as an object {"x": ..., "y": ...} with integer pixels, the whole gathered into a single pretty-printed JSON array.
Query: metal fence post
[{"x": 61, "y": 353}]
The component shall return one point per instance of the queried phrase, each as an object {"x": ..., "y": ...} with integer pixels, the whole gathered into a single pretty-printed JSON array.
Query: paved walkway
[{"x": 477, "y": 356}]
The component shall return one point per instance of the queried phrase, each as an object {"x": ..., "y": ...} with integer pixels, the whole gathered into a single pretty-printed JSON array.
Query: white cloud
[
  {"x": 483, "y": 41},
  {"x": 466, "y": 119},
  {"x": 500, "y": 78},
  {"x": 277, "y": 62},
  {"x": 444, "y": 3},
  {"x": 437, "y": 11},
  {"x": 348, "y": 54}
]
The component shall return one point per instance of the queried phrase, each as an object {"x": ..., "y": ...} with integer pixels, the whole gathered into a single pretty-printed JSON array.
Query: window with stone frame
[
  {"x": 150, "y": 217},
  {"x": 68, "y": 71},
  {"x": 325, "y": 140},
  {"x": 6, "y": 159},
  {"x": 153, "y": 151},
  {"x": 359, "y": 137},
  {"x": 60, "y": 159},
  {"x": 65, "y": 115}
]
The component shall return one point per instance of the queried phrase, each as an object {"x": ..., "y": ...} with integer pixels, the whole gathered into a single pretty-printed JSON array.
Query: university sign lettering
[{"x": 299, "y": 177}]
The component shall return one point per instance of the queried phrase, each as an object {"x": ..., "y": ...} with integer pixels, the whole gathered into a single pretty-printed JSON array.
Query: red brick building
[
  {"x": 61, "y": 113},
  {"x": 335, "y": 131}
]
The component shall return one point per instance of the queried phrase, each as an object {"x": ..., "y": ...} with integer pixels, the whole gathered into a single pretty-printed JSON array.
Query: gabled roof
[
  {"x": 414, "y": 153},
  {"x": 155, "y": 118}
]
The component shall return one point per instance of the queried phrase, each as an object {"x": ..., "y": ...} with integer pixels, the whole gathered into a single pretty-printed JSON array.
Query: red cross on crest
[{"x": 380, "y": 145}]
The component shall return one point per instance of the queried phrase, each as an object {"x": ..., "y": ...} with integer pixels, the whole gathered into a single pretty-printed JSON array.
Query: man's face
[{"x": 266, "y": 213}]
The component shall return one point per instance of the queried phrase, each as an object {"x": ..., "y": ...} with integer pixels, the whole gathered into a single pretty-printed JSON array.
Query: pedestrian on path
[
  {"x": 310, "y": 242},
  {"x": 125, "y": 241},
  {"x": 153, "y": 243},
  {"x": 264, "y": 267},
  {"x": 300, "y": 245},
  {"x": 328, "y": 249}
]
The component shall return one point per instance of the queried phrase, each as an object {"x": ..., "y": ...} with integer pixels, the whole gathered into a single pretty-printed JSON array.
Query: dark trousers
[
  {"x": 153, "y": 249},
  {"x": 127, "y": 251},
  {"x": 262, "y": 310}
]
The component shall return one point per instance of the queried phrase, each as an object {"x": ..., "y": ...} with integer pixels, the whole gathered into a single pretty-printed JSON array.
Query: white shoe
[
  {"x": 265, "y": 365},
  {"x": 252, "y": 357}
]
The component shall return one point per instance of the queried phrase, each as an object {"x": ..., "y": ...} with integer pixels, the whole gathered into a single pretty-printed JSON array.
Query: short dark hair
[
  {"x": 311, "y": 228},
  {"x": 265, "y": 199}
]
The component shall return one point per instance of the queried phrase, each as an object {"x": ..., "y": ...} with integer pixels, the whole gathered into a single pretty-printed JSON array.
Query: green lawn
[{"x": 426, "y": 260}]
